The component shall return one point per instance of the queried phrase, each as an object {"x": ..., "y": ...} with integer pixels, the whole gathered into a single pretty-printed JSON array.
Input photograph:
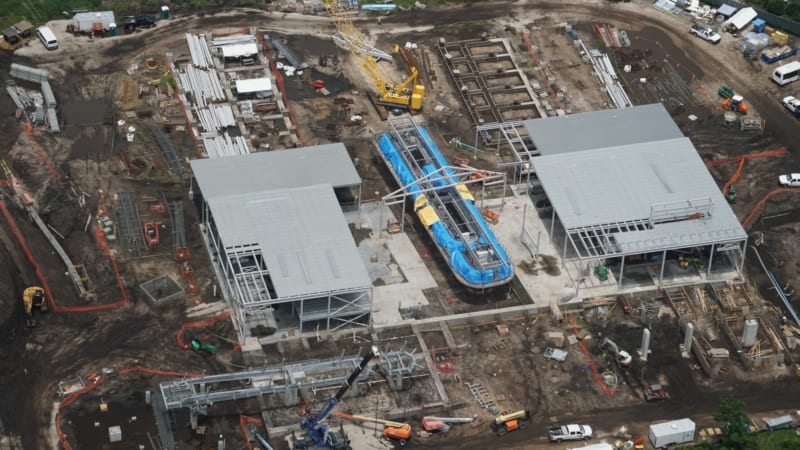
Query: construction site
[{"x": 457, "y": 226}]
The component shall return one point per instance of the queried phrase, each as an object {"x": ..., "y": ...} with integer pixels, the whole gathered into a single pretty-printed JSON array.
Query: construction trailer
[
  {"x": 84, "y": 22},
  {"x": 673, "y": 432},
  {"x": 739, "y": 20},
  {"x": 279, "y": 242},
  {"x": 637, "y": 208}
]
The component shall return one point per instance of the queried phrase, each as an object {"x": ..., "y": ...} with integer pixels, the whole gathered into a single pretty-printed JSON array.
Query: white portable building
[
  {"x": 255, "y": 87},
  {"x": 741, "y": 18},
  {"x": 674, "y": 432},
  {"x": 85, "y": 21}
]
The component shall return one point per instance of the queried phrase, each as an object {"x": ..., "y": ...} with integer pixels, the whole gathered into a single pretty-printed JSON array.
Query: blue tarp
[{"x": 454, "y": 248}]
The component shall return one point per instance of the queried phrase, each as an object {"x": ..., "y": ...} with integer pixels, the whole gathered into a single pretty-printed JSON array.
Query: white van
[
  {"x": 786, "y": 73},
  {"x": 47, "y": 37}
]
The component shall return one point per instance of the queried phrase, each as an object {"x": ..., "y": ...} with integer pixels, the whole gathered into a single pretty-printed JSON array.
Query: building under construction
[
  {"x": 278, "y": 240},
  {"x": 632, "y": 202}
]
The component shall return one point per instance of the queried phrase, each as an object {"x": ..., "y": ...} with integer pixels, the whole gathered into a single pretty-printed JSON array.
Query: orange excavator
[{"x": 396, "y": 431}]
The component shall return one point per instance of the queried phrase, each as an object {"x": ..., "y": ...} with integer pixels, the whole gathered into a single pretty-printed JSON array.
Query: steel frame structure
[
  {"x": 246, "y": 282},
  {"x": 597, "y": 243},
  {"x": 464, "y": 68},
  {"x": 178, "y": 227},
  {"x": 175, "y": 163},
  {"x": 439, "y": 189},
  {"x": 508, "y": 134},
  {"x": 130, "y": 223},
  {"x": 199, "y": 393}
]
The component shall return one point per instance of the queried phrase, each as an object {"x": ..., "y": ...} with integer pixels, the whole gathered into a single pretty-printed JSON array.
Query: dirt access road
[{"x": 66, "y": 345}]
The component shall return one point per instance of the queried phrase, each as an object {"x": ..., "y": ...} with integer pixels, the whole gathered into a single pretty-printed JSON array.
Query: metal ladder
[{"x": 482, "y": 396}]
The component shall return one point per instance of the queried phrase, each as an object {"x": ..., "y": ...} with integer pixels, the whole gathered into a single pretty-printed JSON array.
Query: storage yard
[{"x": 466, "y": 225}]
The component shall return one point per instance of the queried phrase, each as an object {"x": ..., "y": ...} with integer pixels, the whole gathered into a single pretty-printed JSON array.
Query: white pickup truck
[
  {"x": 705, "y": 33},
  {"x": 569, "y": 433},
  {"x": 792, "y": 104}
]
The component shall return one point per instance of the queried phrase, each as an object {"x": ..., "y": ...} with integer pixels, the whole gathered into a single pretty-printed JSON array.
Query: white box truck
[{"x": 678, "y": 431}]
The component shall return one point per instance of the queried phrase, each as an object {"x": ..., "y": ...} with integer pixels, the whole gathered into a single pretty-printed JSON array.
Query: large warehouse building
[
  {"x": 632, "y": 201},
  {"x": 278, "y": 240}
]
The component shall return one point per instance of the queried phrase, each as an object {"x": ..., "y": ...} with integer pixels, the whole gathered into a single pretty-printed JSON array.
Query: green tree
[
  {"x": 775, "y": 6},
  {"x": 793, "y": 11},
  {"x": 731, "y": 413}
]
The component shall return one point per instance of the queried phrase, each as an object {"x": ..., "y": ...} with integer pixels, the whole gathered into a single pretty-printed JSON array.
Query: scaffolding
[{"x": 197, "y": 394}]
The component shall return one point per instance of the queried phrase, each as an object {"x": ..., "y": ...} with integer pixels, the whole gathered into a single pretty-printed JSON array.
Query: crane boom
[
  {"x": 387, "y": 423},
  {"x": 407, "y": 95},
  {"x": 317, "y": 430}
]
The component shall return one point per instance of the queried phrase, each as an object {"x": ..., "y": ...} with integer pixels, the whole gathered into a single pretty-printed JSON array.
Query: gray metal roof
[
  {"x": 606, "y": 128},
  {"x": 277, "y": 169},
  {"x": 302, "y": 233},
  {"x": 659, "y": 184}
]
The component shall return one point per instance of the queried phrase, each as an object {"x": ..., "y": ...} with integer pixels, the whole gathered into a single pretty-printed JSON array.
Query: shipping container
[{"x": 674, "y": 432}]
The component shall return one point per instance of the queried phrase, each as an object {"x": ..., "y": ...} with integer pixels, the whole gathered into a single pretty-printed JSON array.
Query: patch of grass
[
  {"x": 463, "y": 28},
  {"x": 39, "y": 11}
]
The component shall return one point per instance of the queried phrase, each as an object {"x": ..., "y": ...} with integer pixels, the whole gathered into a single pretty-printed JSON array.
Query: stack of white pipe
[{"x": 198, "y": 48}]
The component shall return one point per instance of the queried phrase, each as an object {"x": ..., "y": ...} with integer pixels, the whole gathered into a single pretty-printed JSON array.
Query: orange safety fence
[
  {"x": 734, "y": 178},
  {"x": 40, "y": 152},
  {"x": 48, "y": 293},
  {"x": 597, "y": 378},
  {"x": 762, "y": 154},
  {"x": 198, "y": 324},
  {"x": 526, "y": 38},
  {"x": 763, "y": 202},
  {"x": 69, "y": 399}
]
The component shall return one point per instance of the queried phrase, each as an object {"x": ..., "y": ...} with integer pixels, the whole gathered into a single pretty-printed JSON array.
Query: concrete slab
[
  {"x": 542, "y": 287},
  {"x": 388, "y": 300},
  {"x": 409, "y": 261}
]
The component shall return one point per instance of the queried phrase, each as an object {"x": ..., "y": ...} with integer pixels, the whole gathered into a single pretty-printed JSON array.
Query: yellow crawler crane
[{"x": 407, "y": 95}]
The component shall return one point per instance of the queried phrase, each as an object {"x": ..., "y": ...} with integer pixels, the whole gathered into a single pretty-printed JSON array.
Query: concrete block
[
  {"x": 572, "y": 339},
  {"x": 115, "y": 434},
  {"x": 556, "y": 338}
]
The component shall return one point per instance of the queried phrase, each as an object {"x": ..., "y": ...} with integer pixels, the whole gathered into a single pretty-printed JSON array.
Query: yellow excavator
[{"x": 33, "y": 297}]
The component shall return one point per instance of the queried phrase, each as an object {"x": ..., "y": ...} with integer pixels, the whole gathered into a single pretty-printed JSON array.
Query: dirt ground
[{"x": 91, "y": 154}]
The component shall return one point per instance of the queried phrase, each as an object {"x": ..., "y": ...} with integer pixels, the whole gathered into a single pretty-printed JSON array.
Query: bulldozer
[
  {"x": 735, "y": 103},
  {"x": 33, "y": 298}
]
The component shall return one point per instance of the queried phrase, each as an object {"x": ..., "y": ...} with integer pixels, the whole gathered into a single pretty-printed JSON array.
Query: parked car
[
  {"x": 792, "y": 104},
  {"x": 570, "y": 432},
  {"x": 706, "y": 33},
  {"x": 145, "y": 21},
  {"x": 790, "y": 180}
]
